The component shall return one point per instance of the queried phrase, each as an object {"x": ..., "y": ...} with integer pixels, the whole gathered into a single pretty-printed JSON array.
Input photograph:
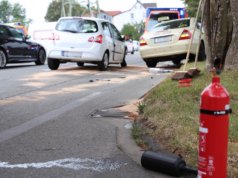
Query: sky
[{"x": 36, "y": 9}]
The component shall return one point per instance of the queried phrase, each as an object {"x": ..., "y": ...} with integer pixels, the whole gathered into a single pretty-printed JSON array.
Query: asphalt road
[{"x": 46, "y": 123}]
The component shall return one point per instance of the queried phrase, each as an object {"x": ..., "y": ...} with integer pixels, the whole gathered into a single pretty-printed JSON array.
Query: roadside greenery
[
  {"x": 174, "y": 112},
  {"x": 55, "y": 9},
  {"x": 12, "y": 12},
  {"x": 192, "y": 6},
  {"x": 134, "y": 31}
]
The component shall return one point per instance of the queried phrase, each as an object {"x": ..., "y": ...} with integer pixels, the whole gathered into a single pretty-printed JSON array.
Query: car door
[
  {"x": 119, "y": 45},
  {"x": 109, "y": 42},
  {"x": 8, "y": 43},
  {"x": 23, "y": 49},
  {"x": 13, "y": 43}
]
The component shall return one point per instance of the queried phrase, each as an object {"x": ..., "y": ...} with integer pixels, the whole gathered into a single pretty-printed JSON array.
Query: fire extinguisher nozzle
[{"x": 190, "y": 170}]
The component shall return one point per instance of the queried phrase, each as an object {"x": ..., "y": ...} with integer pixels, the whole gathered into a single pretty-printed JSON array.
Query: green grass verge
[{"x": 175, "y": 113}]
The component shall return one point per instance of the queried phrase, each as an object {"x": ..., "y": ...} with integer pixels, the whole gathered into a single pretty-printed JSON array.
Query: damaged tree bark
[
  {"x": 218, "y": 25},
  {"x": 232, "y": 54}
]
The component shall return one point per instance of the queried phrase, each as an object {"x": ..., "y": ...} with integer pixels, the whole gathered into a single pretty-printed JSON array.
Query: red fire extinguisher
[{"x": 213, "y": 131}]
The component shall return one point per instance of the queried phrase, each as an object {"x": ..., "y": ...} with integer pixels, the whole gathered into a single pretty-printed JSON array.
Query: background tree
[
  {"x": 133, "y": 31},
  {"x": 12, "y": 12},
  {"x": 191, "y": 7},
  {"x": 18, "y": 13},
  {"x": 53, "y": 11},
  {"x": 55, "y": 7},
  {"x": 5, "y": 11}
]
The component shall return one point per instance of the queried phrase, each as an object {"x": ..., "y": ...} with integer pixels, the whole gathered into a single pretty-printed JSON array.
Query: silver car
[{"x": 86, "y": 40}]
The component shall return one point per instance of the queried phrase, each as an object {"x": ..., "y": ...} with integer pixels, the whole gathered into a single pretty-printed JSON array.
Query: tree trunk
[
  {"x": 218, "y": 25},
  {"x": 232, "y": 55}
]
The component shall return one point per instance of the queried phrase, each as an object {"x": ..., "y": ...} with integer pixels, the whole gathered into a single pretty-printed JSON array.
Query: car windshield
[
  {"x": 171, "y": 25},
  {"x": 77, "y": 26}
]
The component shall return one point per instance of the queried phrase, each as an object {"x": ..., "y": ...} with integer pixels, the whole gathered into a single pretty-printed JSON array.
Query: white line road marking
[
  {"x": 69, "y": 163},
  {"x": 12, "y": 132}
]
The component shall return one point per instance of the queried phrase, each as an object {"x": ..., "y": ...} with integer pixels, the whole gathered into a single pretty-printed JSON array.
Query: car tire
[
  {"x": 53, "y": 64},
  {"x": 123, "y": 63},
  {"x": 202, "y": 52},
  {"x": 126, "y": 51},
  {"x": 151, "y": 63},
  {"x": 80, "y": 64},
  {"x": 3, "y": 59},
  {"x": 103, "y": 65},
  {"x": 41, "y": 56},
  {"x": 176, "y": 62}
]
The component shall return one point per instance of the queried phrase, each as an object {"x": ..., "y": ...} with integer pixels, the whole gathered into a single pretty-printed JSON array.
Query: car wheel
[
  {"x": 103, "y": 65},
  {"x": 151, "y": 63},
  {"x": 3, "y": 59},
  {"x": 41, "y": 57},
  {"x": 123, "y": 63},
  {"x": 176, "y": 62},
  {"x": 80, "y": 64},
  {"x": 53, "y": 64},
  {"x": 202, "y": 52}
]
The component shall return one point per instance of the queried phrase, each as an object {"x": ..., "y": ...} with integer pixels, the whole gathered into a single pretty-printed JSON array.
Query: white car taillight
[
  {"x": 142, "y": 42},
  {"x": 186, "y": 35},
  {"x": 97, "y": 39}
]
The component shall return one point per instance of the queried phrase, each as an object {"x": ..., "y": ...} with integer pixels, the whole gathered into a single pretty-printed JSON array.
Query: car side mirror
[{"x": 26, "y": 37}]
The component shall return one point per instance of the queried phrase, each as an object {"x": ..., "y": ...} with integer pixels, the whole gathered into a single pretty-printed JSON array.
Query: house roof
[
  {"x": 145, "y": 5},
  {"x": 149, "y": 5},
  {"x": 113, "y": 13}
]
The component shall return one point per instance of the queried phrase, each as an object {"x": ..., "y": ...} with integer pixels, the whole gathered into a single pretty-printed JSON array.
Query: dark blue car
[{"x": 15, "y": 48}]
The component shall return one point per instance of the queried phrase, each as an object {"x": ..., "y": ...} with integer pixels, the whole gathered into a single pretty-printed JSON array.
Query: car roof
[
  {"x": 85, "y": 18},
  {"x": 6, "y": 25}
]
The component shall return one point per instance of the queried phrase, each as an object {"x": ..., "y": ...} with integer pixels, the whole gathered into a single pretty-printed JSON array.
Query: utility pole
[
  {"x": 62, "y": 9},
  {"x": 65, "y": 2},
  {"x": 89, "y": 8},
  {"x": 98, "y": 9},
  {"x": 70, "y": 7}
]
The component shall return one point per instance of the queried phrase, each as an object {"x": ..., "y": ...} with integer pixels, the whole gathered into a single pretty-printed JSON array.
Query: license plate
[
  {"x": 163, "y": 39},
  {"x": 71, "y": 54}
]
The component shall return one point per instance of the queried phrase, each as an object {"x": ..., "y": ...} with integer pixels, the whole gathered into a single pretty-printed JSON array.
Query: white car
[
  {"x": 86, "y": 40},
  {"x": 136, "y": 45},
  {"x": 169, "y": 41}
]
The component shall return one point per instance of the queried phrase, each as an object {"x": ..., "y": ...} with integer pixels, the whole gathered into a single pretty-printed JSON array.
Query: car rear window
[
  {"x": 77, "y": 26},
  {"x": 155, "y": 16},
  {"x": 172, "y": 25}
]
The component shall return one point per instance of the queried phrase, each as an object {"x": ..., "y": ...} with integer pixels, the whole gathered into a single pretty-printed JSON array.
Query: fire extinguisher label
[
  {"x": 203, "y": 129},
  {"x": 202, "y": 140},
  {"x": 227, "y": 107}
]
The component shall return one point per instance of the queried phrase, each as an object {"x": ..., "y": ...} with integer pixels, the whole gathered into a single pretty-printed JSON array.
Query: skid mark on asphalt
[
  {"x": 70, "y": 163},
  {"x": 12, "y": 132}
]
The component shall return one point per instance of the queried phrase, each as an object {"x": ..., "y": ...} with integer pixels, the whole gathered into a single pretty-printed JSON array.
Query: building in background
[{"x": 135, "y": 15}]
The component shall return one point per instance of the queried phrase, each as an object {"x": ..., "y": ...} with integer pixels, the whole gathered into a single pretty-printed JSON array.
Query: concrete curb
[{"x": 126, "y": 143}]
